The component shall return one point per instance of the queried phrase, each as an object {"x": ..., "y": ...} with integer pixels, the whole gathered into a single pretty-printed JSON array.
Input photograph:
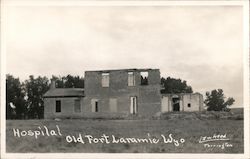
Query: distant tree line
[
  {"x": 24, "y": 100},
  {"x": 69, "y": 81},
  {"x": 214, "y": 101}
]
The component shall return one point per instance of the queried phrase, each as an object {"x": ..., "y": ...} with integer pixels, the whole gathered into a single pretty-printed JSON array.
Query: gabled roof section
[{"x": 64, "y": 92}]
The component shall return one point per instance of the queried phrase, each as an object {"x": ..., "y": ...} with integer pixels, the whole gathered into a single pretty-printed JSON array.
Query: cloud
[{"x": 200, "y": 44}]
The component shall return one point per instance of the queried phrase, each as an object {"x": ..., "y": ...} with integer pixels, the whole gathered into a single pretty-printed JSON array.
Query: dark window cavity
[
  {"x": 58, "y": 106},
  {"x": 144, "y": 78},
  {"x": 96, "y": 106}
]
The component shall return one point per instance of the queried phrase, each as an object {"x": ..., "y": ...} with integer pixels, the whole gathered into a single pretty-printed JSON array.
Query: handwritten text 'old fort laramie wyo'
[{"x": 91, "y": 139}]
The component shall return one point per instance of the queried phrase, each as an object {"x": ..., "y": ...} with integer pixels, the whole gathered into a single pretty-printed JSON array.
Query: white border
[
  {"x": 244, "y": 3},
  {"x": 246, "y": 78},
  {"x": 123, "y": 2}
]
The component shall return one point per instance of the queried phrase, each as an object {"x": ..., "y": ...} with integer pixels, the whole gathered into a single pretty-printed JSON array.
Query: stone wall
[
  {"x": 188, "y": 102},
  {"x": 148, "y": 96},
  {"x": 115, "y": 100},
  {"x": 67, "y": 107}
]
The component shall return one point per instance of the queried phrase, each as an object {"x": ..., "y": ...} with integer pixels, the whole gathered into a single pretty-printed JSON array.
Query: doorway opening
[
  {"x": 133, "y": 105},
  {"x": 176, "y": 103},
  {"x": 95, "y": 105}
]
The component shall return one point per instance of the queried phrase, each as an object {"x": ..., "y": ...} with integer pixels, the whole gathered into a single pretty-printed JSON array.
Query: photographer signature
[{"x": 208, "y": 141}]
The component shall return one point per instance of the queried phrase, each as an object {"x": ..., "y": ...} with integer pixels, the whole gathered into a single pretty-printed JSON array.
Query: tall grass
[{"x": 190, "y": 130}]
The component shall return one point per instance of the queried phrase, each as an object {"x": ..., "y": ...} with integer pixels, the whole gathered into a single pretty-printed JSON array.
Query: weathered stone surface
[
  {"x": 107, "y": 94},
  {"x": 148, "y": 96}
]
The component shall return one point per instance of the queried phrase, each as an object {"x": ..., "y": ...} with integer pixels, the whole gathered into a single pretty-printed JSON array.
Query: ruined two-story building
[{"x": 110, "y": 93}]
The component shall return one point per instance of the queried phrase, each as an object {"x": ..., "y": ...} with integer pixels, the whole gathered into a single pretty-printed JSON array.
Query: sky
[{"x": 200, "y": 44}]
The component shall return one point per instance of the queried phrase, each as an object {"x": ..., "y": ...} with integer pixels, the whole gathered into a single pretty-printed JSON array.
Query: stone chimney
[{"x": 53, "y": 84}]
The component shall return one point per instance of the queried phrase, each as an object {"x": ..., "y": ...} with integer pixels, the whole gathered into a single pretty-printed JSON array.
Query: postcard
[{"x": 127, "y": 79}]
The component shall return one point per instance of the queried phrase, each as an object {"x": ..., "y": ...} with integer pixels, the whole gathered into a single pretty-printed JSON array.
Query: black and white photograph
[{"x": 136, "y": 79}]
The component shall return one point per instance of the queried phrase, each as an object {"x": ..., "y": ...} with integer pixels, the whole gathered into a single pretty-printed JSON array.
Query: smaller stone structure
[
  {"x": 182, "y": 102},
  {"x": 63, "y": 102}
]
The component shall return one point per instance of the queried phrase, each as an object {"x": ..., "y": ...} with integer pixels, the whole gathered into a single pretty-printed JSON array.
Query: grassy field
[
  {"x": 237, "y": 110},
  {"x": 190, "y": 130}
]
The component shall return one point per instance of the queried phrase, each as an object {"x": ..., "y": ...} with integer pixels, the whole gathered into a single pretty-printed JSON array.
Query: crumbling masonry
[{"x": 109, "y": 93}]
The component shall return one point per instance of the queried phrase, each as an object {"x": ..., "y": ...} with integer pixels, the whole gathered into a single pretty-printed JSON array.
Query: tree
[
  {"x": 16, "y": 106},
  {"x": 59, "y": 81},
  {"x": 26, "y": 99},
  {"x": 172, "y": 85},
  {"x": 215, "y": 100},
  {"x": 35, "y": 88},
  {"x": 69, "y": 81},
  {"x": 73, "y": 82}
]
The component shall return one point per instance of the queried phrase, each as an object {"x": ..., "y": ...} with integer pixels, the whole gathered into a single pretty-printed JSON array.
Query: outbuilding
[
  {"x": 187, "y": 102},
  {"x": 63, "y": 102}
]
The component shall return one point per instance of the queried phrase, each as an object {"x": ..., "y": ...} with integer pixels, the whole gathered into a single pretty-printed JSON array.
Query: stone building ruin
[{"x": 110, "y": 93}]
